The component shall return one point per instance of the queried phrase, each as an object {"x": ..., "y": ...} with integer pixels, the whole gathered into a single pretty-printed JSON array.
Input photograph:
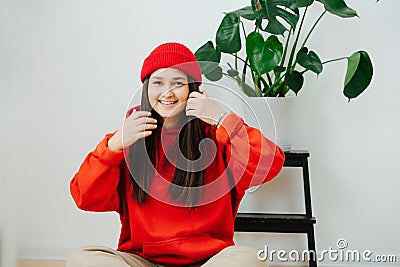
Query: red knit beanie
[{"x": 174, "y": 55}]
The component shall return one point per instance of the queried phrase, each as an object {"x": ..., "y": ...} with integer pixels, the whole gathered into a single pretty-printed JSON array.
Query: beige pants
[{"x": 234, "y": 256}]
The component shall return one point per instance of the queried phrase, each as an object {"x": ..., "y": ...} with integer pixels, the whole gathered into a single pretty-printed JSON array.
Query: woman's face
[{"x": 168, "y": 92}]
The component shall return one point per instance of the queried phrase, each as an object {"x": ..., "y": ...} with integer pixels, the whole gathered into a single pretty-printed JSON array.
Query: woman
[{"x": 175, "y": 171}]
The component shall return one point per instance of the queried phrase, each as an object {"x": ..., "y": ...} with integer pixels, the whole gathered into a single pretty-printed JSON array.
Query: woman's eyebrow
[
  {"x": 179, "y": 78},
  {"x": 174, "y": 78}
]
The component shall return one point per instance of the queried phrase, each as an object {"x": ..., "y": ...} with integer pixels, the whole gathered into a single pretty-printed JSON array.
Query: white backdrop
[{"x": 68, "y": 69}]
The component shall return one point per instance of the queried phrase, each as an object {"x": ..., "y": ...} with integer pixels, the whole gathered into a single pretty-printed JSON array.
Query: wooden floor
[{"x": 39, "y": 263}]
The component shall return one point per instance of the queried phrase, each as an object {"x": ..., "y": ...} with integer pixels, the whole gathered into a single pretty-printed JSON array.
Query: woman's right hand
[{"x": 138, "y": 125}]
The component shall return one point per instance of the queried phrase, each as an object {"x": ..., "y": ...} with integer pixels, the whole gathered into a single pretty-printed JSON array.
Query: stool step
[{"x": 272, "y": 222}]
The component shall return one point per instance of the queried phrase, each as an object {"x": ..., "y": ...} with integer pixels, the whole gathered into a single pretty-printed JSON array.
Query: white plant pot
[{"x": 273, "y": 116}]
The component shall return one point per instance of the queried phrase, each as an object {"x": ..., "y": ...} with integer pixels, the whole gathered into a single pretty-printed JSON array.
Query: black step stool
[{"x": 285, "y": 223}]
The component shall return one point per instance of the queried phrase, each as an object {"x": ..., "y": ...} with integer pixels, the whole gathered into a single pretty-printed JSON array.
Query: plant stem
[
  {"x": 312, "y": 29},
  {"x": 245, "y": 35},
  {"x": 244, "y": 71},
  {"x": 275, "y": 90},
  {"x": 269, "y": 79},
  {"x": 241, "y": 59},
  {"x": 309, "y": 34},
  {"x": 332, "y": 60},
  {"x": 276, "y": 85},
  {"x": 254, "y": 79},
  {"x": 266, "y": 86},
  {"x": 267, "y": 92},
  {"x": 236, "y": 62},
  {"x": 243, "y": 28},
  {"x": 285, "y": 51},
  {"x": 257, "y": 83},
  {"x": 295, "y": 42},
  {"x": 278, "y": 75},
  {"x": 284, "y": 55}
]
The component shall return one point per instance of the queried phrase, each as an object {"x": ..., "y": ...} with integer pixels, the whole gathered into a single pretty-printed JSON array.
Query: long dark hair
[{"x": 142, "y": 159}]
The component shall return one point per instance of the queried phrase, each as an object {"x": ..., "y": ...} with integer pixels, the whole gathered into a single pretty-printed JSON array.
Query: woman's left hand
[{"x": 203, "y": 107}]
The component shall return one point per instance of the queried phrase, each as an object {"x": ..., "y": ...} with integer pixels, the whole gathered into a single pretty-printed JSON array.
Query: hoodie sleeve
[
  {"x": 251, "y": 157},
  {"x": 94, "y": 186}
]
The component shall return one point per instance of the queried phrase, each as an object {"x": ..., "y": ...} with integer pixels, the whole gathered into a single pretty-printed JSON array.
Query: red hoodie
[{"x": 169, "y": 234}]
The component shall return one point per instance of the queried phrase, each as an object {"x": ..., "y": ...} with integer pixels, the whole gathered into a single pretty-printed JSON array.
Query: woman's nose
[{"x": 168, "y": 91}]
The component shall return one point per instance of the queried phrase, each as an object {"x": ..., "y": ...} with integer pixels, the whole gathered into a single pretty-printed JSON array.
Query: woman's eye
[
  {"x": 178, "y": 84},
  {"x": 157, "y": 83}
]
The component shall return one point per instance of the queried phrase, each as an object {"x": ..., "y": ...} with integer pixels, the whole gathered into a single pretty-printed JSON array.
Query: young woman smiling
[{"x": 175, "y": 171}]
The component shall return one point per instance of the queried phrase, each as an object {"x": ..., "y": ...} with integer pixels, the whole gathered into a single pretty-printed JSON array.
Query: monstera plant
[{"x": 274, "y": 55}]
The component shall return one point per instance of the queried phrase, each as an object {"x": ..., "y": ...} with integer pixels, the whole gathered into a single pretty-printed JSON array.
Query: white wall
[{"x": 69, "y": 68}]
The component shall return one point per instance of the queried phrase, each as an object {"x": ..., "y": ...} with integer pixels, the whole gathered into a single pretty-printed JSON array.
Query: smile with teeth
[{"x": 167, "y": 102}]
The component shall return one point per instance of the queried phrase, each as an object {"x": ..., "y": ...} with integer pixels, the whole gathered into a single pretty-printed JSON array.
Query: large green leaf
[
  {"x": 228, "y": 35},
  {"x": 338, "y": 8},
  {"x": 271, "y": 10},
  {"x": 359, "y": 74},
  {"x": 264, "y": 56},
  {"x": 309, "y": 60},
  {"x": 246, "y": 12},
  {"x": 214, "y": 75},
  {"x": 304, "y": 3},
  {"x": 208, "y": 57},
  {"x": 294, "y": 80}
]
